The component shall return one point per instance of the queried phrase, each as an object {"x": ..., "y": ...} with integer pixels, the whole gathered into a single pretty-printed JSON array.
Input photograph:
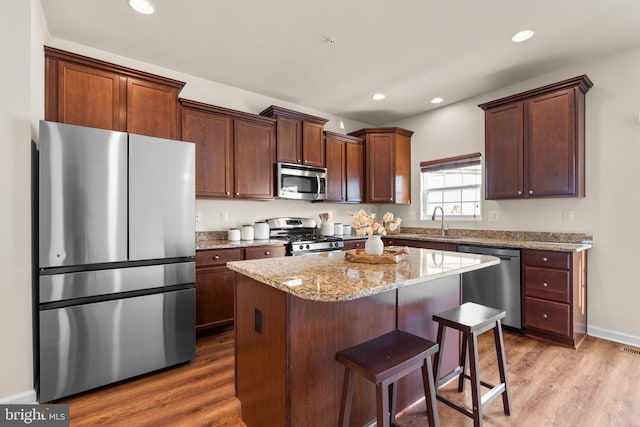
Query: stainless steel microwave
[{"x": 301, "y": 182}]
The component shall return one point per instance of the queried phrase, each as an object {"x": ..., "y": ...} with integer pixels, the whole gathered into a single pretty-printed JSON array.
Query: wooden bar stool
[
  {"x": 383, "y": 361},
  {"x": 472, "y": 320}
]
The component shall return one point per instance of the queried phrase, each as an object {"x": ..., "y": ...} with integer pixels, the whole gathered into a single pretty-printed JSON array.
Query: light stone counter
[{"x": 329, "y": 277}]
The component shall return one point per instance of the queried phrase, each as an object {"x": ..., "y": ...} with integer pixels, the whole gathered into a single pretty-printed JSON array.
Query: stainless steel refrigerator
[{"x": 116, "y": 233}]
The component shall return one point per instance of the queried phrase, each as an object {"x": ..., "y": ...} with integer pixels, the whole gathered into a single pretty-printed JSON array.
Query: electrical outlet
[
  {"x": 567, "y": 216},
  {"x": 257, "y": 321},
  {"x": 494, "y": 216},
  {"x": 224, "y": 216}
]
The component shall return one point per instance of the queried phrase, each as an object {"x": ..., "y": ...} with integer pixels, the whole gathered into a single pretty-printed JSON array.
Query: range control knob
[
  {"x": 307, "y": 246},
  {"x": 301, "y": 247}
]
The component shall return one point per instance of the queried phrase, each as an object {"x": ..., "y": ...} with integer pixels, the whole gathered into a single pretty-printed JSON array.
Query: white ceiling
[{"x": 411, "y": 50}]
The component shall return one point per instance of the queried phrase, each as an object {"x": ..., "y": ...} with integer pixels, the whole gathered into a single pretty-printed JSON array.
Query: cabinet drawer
[
  {"x": 260, "y": 252},
  {"x": 547, "y": 315},
  {"x": 217, "y": 257},
  {"x": 354, "y": 244},
  {"x": 547, "y": 259},
  {"x": 547, "y": 284}
]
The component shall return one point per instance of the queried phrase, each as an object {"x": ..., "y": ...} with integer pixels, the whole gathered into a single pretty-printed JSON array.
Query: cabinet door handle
[
  {"x": 545, "y": 316},
  {"x": 530, "y": 191},
  {"x": 237, "y": 194},
  {"x": 545, "y": 259},
  {"x": 227, "y": 193},
  {"x": 545, "y": 284},
  {"x": 267, "y": 253},
  {"x": 216, "y": 257},
  {"x": 519, "y": 192}
]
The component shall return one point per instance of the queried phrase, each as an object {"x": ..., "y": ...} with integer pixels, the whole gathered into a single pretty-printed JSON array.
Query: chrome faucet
[{"x": 443, "y": 231}]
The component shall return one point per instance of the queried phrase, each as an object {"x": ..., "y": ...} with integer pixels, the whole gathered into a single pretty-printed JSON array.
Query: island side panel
[
  {"x": 416, "y": 306},
  {"x": 261, "y": 357},
  {"x": 317, "y": 330}
]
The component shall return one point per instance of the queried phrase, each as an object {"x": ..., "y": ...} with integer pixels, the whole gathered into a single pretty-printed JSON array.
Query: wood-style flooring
[{"x": 595, "y": 385}]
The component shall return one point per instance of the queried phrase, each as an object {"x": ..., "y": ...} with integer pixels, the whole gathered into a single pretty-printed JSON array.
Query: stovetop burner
[
  {"x": 299, "y": 232},
  {"x": 309, "y": 238}
]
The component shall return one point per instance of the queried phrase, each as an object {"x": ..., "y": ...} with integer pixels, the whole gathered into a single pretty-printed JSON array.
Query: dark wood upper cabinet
[
  {"x": 336, "y": 169},
  {"x": 534, "y": 142},
  {"x": 88, "y": 92},
  {"x": 213, "y": 135},
  {"x": 235, "y": 151},
  {"x": 345, "y": 166},
  {"x": 387, "y": 164},
  {"x": 354, "y": 153},
  {"x": 299, "y": 136},
  {"x": 504, "y": 152},
  {"x": 254, "y": 154}
]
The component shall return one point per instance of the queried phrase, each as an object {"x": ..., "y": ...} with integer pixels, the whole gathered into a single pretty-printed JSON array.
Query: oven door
[{"x": 301, "y": 182}]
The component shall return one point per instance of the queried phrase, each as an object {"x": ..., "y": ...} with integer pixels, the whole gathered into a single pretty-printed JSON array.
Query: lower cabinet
[
  {"x": 555, "y": 295},
  {"x": 215, "y": 287},
  {"x": 259, "y": 252},
  {"x": 215, "y": 283},
  {"x": 354, "y": 244},
  {"x": 439, "y": 246}
]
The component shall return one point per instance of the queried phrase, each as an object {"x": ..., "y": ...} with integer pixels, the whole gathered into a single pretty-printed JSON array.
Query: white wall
[
  {"x": 21, "y": 25},
  {"x": 612, "y": 202}
]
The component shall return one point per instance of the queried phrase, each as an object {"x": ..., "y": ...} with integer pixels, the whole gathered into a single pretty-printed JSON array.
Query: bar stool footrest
[
  {"x": 453, "y": 374},
  {"x": 454, "y": 405},
  {"x": 492, "y": 394}
]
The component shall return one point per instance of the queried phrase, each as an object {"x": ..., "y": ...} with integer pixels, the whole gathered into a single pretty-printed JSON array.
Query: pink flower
[{"x": 366, "y": 223}]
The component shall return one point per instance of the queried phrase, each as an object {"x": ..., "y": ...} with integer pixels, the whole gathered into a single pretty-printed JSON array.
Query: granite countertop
[
  {"x": 502, "y": 242},
  {"x": 568, "y": 242},
  {"x": 226, "y": 244},
  {"x": 329, "y": 277}
]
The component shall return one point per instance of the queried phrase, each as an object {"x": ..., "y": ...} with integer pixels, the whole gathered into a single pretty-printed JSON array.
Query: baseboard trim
[
  {"x": 25, "y": 398},
  {"x": 615, "y": 336}
]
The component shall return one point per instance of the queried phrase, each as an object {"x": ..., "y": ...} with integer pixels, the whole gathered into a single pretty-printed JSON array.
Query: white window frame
[{"x": 448, "y": 165}]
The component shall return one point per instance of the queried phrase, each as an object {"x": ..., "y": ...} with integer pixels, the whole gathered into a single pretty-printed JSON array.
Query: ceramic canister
[
  {"x": 338, "y": 229},
  {"x": 261, "y": 230},
  {"x": 326, "y": 229},
  {"x": 234, "y": 235},
  {"x": 246, "y": 232}
]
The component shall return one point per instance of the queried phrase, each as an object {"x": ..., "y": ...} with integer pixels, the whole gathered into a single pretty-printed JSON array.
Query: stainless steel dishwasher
[{"x": 498, "y": 286}]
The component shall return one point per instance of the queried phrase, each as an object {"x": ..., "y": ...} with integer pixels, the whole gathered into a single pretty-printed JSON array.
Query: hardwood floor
[
  {"x": 199, "y": 393},
  {"x": 595, "y": 385}
]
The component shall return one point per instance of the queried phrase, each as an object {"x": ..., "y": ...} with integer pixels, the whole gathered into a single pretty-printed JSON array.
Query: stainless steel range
[{"x": 301, "y": 237}]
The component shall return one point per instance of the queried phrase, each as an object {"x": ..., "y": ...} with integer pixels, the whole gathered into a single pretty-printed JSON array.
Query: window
[{"x": 454, "y": 184}]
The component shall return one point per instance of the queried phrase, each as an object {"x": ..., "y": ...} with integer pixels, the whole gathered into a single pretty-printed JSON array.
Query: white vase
[{"x": 374, "y": 245}]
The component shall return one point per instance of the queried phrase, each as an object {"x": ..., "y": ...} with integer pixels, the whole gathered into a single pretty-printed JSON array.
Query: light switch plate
[
  {"x": 567, "y": 216},
  {"x": 494, "y": 216}
]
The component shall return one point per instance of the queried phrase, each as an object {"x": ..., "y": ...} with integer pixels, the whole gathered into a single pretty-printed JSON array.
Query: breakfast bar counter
[{"x": 294, "y": 313}]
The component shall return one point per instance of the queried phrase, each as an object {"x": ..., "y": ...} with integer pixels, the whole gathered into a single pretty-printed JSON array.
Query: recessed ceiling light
[
  {"x": 522, "y": 36},
  {"x": 378, "y": 96},
  {"x": 142, "y": 6},
  {"x": 437, "y": 100}
]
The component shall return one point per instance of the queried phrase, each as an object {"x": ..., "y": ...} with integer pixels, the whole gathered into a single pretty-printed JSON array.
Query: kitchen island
[{"x": 294, "y": 313}]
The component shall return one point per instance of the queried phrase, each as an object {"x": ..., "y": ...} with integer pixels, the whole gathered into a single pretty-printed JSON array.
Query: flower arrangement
[{"x": 365, "y": 223}]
